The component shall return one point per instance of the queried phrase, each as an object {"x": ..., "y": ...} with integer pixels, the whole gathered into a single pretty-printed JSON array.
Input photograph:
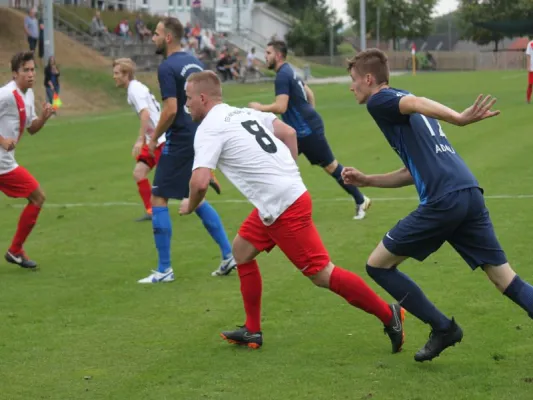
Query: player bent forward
[
  {"x": 257, "y": 153},
  {"x": 17, "y": 113},
  {"x": 452, "y": 208}
]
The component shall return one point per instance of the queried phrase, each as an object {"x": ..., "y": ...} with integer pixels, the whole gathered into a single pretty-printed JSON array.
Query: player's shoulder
[
  {"x": 136, "y": 87},
  {"x": 386, "y": 95}
]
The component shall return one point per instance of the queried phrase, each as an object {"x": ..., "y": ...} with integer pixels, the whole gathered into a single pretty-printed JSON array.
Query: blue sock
[
  {"x": 404, "y": 290},
  {"x": 213, "y": 224},
  {"x": 521, "y": 293},
  {"x": 162, "y": 235},
  {"x": 352, "y": 190}
]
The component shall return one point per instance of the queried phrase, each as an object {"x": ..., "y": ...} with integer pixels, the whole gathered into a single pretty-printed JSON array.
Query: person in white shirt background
[
  {"x": 529, "y": 56},
  {"x": 17, "y": 114}
]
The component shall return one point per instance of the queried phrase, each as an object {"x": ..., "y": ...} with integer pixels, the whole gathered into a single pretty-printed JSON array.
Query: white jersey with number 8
[{"x": 241, "y": 143}]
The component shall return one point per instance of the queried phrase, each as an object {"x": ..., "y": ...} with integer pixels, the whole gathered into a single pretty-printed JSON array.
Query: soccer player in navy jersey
[
  {"x": 174, "y": 170},
  {"x": 452, "y": 207},
  {"x": 295, "y": 101}
]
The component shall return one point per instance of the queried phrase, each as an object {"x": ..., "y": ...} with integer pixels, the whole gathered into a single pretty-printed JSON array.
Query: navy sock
[
  {"x": 213, "y": 224},
  {"x": 162, "y": 235},
  {"x": 521, "y": 293},
  {"x": 404, "y": 290},
  {"x": 352, "y": 190}
]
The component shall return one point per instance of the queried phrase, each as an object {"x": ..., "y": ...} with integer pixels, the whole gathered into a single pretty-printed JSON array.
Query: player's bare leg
[
  {"x": 162, "y": 227},
  {"x": 382, "y": 267},
  {"x": 140, "y": 175},
  {"x": 28, "y": 218},
  {"x": 251, "y": 289},
  {"x": 362, "y": 203}
]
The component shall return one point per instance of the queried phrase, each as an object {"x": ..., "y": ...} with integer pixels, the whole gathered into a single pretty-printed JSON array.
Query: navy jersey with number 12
[
  {"x": 299, "y": 114},
  {"x": 420, "y": 142}
]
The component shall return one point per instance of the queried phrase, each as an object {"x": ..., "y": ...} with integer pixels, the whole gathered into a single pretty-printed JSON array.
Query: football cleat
[
  {"x": 361, "y": 209},
  {"x": 225, "y": 267},
  {"x": 159, "y": 277},
  {"x": 214, "y": 183},
  {"x": 20, "y": 259},
  {"x": 395, "y": 328},
  {"x": 243, "y": 337},
  {"x": 440, "y": 341}
]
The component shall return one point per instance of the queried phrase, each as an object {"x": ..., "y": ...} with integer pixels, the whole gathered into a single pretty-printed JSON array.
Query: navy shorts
[
  {"x": 315, "y": 148},
  {"x": 459, "y": 218},
  {"x": 173, "y": 172}
]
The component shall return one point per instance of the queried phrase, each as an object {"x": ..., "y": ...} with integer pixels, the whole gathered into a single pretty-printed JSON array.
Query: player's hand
[
  {"x": 47, "y": 111},
  {"x": 184, "y": 207},
  {"x": 255, "y": 105},
  {"x": 8, "y": 144},
  {"x": 481, "y": 109},
  {"x": 137, "y": 147},
  {"x": 354, "y": 177}
]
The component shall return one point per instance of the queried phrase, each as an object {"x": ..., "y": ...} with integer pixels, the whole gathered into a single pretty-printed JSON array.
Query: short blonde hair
[
  {"x": 206, "y": 82},
  {"x": 126, "y": 66}
]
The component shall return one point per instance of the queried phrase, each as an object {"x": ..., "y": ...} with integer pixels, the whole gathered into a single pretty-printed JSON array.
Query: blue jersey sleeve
[
  {"x": 385, "y": 106},
  {"x": 167, "y": 81},
  {"x": 282, "y": 84}
]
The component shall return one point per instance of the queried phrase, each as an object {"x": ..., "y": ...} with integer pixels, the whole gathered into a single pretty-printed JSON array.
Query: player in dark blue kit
[
  {"x": 296, "y": 102},
  {"x": 452, "y": 207},
  {"x": 174, "y": 170}
]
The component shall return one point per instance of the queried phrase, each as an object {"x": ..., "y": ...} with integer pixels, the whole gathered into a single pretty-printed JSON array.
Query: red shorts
[
  {"x": 530, "y": 77},
  {"x": 294, "y": 232},
  {"x": 146, "y": 157},
  {"x": 18, "y": 183}
]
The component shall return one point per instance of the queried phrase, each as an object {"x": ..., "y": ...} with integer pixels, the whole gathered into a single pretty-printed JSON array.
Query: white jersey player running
[
  {"x": 148, "y": 109},
  {"x": 257, "y": 152}
]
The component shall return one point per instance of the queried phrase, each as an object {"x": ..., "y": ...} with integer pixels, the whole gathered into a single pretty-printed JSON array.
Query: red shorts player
[
  {"x": 149, "y": 111},
  {"x": 17, "y": 113},
  {"x": 257, "y": 153},
  {"x": 529, "y": 56}
]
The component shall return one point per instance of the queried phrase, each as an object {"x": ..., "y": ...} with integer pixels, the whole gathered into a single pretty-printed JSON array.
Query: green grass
[{"x": 82, "y": 328}]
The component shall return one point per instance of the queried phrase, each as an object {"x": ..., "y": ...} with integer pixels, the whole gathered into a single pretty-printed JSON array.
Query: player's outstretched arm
[
  {"x": 480, "y": 110},
  {"x": 198, "y": 186},
  {"x": 278, "y": 107},
  {"x": 39, "y": 122},
  {"x": 396, "y": 179},
  {"x": 287, "y": 135}
]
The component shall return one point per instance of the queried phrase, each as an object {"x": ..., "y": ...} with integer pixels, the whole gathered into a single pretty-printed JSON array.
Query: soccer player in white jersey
[
  {"x": 529, "y": 56},
  {"x": 148, "y": 109},
  {"x": 257, "y": 152},
  {"x": 17, "y": 113}
]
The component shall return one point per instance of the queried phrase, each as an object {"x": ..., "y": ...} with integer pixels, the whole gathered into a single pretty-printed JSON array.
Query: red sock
[
  {"x": 27, "y": 221},
  {"x": 529, "y": 90},
  {"x": 145, "y": 190},
  {"x": 356, "y": 292},
  {"x": 251, "y": 289}
]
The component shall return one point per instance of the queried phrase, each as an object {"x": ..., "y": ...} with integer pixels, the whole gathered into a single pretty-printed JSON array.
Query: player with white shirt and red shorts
[
  {"x": 257, "y": 153},
  {"x": 529, "y": 56},
  {"x": 17, "y": 113},
  {"x": 148, "y": 109}
]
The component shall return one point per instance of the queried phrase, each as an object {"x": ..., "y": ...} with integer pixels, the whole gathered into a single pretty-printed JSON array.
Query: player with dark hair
[
  {"x": 17, "y": 113},
  {"x": 228, "y": 138},
  {"x": 174, "y": 169},
  {"x": 296, "y": 102},
  {"x": 452, "y": 208}
]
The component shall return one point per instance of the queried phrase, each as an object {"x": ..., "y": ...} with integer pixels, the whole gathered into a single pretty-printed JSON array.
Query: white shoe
[
  {"x": 159, "y": 277},
  {"x": 225, "y": 267},
  {"x": 361, "y": 209}
]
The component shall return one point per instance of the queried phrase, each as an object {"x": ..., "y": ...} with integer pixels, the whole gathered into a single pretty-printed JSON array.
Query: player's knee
[
  {"x": 330, "y": 168},
  {"x": 140, "y": 172},
  {"x": 157, "y": 201},
  {"x": 38, "y": 197},
  {"x": 322, "y": 277},
  {"x": 243, "y": 251},
  {"x": 501, "y": 276}
]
